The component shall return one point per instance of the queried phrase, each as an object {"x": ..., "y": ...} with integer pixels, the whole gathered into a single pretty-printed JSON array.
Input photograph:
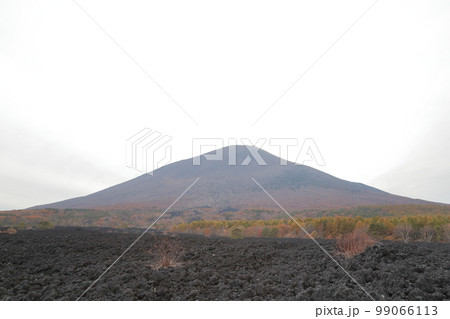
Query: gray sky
[{"x": 376, "y": 103}]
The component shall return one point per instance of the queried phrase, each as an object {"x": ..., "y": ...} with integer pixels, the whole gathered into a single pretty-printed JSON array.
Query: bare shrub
[
  {"x": 354, "y": 243},
  {"x": 167, "y": 253},
  {"x": 403, "y": 231},
  {"x": 427, "y": 233},
  {"x": 446, "y": 232}
]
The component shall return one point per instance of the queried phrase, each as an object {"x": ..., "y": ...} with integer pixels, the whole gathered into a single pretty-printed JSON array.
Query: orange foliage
[{"x": 354, "y": 243}]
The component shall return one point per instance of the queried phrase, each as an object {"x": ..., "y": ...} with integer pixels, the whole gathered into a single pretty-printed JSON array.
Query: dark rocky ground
[{"x": 60, "y": 264}]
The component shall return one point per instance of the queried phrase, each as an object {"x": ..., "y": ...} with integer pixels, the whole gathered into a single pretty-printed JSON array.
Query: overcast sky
[{"x": 375, "y": 96}]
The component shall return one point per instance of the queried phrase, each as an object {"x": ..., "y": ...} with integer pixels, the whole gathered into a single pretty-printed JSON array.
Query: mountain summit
[{"x": 227, "y": 181}]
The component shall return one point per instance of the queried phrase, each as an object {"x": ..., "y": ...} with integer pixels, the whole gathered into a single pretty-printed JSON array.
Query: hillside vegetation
[
  {"x": 405, "y": 222},
  {"x": 405, "y": 228}
]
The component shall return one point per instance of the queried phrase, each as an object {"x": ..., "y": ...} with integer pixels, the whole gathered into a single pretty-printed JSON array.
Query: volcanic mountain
[{"x": 222, "y": 186}]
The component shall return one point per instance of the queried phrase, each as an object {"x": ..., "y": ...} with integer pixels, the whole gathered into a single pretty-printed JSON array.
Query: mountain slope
[{"x": 220, "y": 185}]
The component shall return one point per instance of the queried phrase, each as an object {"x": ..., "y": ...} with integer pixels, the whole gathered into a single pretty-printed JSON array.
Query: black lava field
[{"x": 60, "y": 264}]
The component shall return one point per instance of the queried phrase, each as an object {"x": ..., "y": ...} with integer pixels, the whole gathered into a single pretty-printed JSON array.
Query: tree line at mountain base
[
  {"x": 425, "y": 228},
  {"x": 389, "y": 222}
]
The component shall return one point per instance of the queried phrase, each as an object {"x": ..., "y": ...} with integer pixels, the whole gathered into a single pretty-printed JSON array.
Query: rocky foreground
[{"x": 60, "y": 264}]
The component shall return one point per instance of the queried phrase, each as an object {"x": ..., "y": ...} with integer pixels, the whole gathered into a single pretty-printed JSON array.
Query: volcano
[{"x": 222, "y": 186}]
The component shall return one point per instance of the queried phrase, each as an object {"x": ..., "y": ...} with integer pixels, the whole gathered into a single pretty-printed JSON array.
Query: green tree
[
  {"x": 269, "y": 232},
  {"x": 45, "y": 224},
  {"x": 236, "y": 233},
  {"x": 378, "y": 230}
]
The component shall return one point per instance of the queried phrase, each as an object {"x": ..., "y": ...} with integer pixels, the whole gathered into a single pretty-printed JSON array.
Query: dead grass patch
[{"x": 167, "y": 253}]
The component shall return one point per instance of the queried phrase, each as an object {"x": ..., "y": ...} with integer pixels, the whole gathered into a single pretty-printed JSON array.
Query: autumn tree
[
  {"x": 307, "y": 230},
  {"x": 354, "y": 243}
]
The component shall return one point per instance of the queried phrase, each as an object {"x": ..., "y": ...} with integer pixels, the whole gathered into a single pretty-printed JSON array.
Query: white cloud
[{"x": 70, "y": 97}]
